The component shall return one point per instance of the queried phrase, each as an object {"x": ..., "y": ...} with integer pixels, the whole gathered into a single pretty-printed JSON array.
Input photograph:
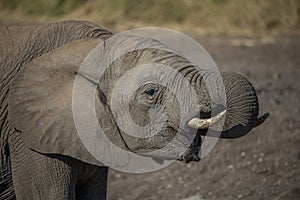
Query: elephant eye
[{"x": 150, "y": 91}]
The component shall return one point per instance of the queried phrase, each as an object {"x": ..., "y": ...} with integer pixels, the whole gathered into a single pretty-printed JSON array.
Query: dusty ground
[{"x": 262, "y": 165}]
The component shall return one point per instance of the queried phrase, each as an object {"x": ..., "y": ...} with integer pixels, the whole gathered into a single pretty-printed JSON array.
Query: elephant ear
[{"x": 40, "y": 103}]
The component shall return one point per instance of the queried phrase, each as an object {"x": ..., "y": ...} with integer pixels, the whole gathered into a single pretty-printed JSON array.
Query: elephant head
[{"x": 150, "y": 100}]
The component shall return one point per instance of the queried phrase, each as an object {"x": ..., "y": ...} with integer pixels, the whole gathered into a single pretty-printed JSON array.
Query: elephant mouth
[{"x": 193, "y": 153}]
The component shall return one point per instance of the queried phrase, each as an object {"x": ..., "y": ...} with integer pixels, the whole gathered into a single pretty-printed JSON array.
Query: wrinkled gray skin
[
  {"x": 24, "y": 172},
  {"x": 42, "y": 156}
]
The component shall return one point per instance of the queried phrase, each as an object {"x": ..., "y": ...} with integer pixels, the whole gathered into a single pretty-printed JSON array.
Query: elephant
[{"x": 42, "y": 154}]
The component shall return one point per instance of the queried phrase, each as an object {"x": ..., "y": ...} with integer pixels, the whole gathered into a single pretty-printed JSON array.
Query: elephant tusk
[{"x": 198, "y": 123}]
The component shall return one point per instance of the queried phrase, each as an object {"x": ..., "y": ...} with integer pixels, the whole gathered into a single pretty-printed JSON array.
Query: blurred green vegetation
[
  {"x": 212, "y": 15},
  {"x": 50, "y": 8}
]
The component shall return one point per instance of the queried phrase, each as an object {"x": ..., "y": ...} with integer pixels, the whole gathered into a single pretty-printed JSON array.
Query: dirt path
[{"x": 262, "y": 165}]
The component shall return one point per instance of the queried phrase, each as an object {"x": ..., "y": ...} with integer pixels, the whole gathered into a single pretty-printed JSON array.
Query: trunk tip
[{"x": 262, "y": 119}]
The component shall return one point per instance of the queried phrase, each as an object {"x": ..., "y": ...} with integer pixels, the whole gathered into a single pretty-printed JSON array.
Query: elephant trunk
[{"x": 241, "y": 106}]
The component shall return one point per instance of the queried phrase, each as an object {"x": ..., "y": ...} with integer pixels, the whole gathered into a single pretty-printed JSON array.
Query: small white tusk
[{"x": 198, "y": 123}]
